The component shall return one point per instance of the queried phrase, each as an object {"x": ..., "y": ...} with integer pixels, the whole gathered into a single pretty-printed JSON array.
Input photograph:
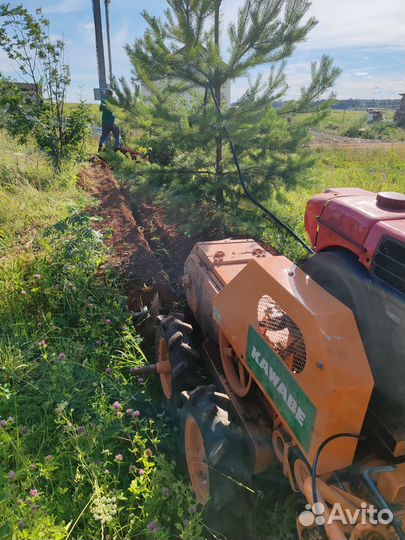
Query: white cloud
[
  {"x": 349, "y": 85},
  {"x": 347, "y": 23},
  {"x": 53, "y": 38},
  {"x": 87, "y": 31},
  {"x": 66, "y": 6},
  {"x": 119, "y": 39}
]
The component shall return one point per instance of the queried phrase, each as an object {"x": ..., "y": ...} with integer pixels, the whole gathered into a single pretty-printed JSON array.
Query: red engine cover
[{"x": 355, "y": 219}]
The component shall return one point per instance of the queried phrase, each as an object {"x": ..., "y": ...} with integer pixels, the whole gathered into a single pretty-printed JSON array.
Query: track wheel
[
  {"x": 216, "y": 452},
  {"x": 176, "y": 359}
]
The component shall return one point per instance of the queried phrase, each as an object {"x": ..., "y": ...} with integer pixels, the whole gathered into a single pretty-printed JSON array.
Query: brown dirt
[
  {"x": 169, "y": 245},
  {"x": 131, "y": 253},
  {"x": 324, "y": 139}
]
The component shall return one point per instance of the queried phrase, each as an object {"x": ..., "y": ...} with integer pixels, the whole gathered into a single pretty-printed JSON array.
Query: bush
[{"x": 41, "y": 113}]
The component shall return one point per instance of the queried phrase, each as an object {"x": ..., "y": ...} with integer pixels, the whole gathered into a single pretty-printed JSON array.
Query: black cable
[
  {"x": 247, "y": 192},
  {"x": 317, "y": 455}
]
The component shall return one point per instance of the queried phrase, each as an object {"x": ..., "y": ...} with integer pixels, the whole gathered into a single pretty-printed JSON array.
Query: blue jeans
[{"x": 106, "y": 130}]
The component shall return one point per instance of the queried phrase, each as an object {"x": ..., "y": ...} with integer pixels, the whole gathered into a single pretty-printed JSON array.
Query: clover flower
[
  {"x": 119, "y": 457},
  {"x": 153, "y": 527},
  {"x": 62, "y": 356},
  {"x": 42, "y": 344},
  {"x": 136, "y": 414},
  {"x": 34, "y": 493},
  {"x": 11, "y": 475},
  {"x": 116, "y": 405},
  {"x": 109, "y": 371}
]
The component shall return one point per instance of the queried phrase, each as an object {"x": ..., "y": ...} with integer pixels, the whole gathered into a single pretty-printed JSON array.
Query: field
[
  {"x": 85, "y": 450},
  {"x": 354, "y": 124}
]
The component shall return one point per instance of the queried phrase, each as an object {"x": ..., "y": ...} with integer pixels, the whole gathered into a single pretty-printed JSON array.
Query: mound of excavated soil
[{"x": 131, "y": 253}]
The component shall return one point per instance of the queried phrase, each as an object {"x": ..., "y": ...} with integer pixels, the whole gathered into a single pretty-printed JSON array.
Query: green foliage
[
  {"x": 39, "y": 112},
  {"x": 350, "y": 123},
  {"x": 181, "y": 64},
  {"x": 80, "y": 455},
  {"x": 384, "y": 130}
]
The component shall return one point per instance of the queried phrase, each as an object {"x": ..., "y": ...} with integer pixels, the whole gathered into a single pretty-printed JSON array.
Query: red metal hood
[{"x": 353, "y": 219}]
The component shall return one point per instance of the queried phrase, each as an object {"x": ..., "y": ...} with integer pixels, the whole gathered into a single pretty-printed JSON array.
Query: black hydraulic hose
[
  {"x": 317, "y": 456},
  {"x": 246, "y": 190}
]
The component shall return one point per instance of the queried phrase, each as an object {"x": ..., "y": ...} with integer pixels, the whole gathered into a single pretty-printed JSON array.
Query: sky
[{"x": 365, "y": 38}]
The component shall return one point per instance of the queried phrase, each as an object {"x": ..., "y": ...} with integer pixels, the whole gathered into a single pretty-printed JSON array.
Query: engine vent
[
  {"x": 389, "y": 264},
  {"x": 282, "y": 334}
]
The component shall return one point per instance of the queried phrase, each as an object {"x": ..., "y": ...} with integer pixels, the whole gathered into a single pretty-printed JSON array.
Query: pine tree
[{"x": 182, "y": 54}]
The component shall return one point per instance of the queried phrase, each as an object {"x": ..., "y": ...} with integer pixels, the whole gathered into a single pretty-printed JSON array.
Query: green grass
[
  {"x": 354, "y": 124},
  {"x": 75, "y": 461},
  {"x": 338, "y": 121},
  {"x": 32, "y": 195}
]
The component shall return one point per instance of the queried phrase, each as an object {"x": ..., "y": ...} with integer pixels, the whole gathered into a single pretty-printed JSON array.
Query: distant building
[
  {"x": 399, "y": 117},
  {"x": 29, "y": 89},
  {"x": 374, "y": 115}
]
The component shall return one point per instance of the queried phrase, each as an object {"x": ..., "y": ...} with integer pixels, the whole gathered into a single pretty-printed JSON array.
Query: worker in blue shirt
[{"x": 108, "y": 124}]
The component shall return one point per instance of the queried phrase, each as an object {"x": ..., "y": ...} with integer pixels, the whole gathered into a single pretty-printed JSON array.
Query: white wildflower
[{"x": 104, "y": 508}]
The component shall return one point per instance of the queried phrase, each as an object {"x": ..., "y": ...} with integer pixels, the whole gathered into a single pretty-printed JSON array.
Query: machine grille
[
  {"x": 389, "y": 264},
  {"x": 282, "y": 334}
]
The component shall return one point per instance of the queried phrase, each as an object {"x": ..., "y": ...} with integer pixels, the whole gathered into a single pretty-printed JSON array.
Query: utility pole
[
  {"x": 107, "y": 25},
  {"x": 98, "y": 27}
]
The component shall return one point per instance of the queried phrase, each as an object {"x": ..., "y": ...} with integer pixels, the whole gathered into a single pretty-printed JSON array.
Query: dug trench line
[{"x": 131, "y": 254}]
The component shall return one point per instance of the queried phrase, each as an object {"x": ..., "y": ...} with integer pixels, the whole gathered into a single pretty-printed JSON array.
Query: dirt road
[{"x": 324, "y": 139}]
